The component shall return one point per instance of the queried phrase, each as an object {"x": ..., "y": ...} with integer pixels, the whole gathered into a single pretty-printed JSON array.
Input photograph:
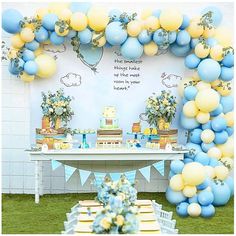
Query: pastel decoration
[
  {"x": 188, "y": 123},
  {"x": 193, "y": 173},
  {"x": 99, "y": 178},
  {"x": 160, "y": 167},
  {"x": 61, "y": 32},
  {"x": 177, "y": 183},
  {"x": 26, "y": 77},
  {"x": 202, "y": 50},
  {"x": 150, "y": 49},
  {"x": 145, "y": 37},
  {"x": 97, "y": 18},
  {"x": 187, "y": 160},
  {"x": 115, "y": 14},
  {"x": 11, "y": 21},
  {"x": 56, "y": 39},
  {"x": 206, "y": 146},
  {"x": 202, "y": 158},
  {"x": 186, "y": 82},
  {"x": 194, "y": 209},
  {"x": 228, "y": 60},
  {"x": 228, "y": 103},
  {"x": 192, "y": 61},
  {"x": 78, "y": 21},
  {"x": 85, "y": 36},
  {"x": 115, "y": 34},
  {"x": 71, "y": 34},
  {"x": 46, "y": 65},
  {"x": 181, "y": 209},
  {"x": 41, "y": 35},
  {"x": 172, "y": 35},
  {"x": 84, "y": 175},
  {"x": 159, "y": 37},
  {"x": 221, "y": 137},
  {"x": 16, "y": 66},
  {"x": 13, "y": 53},
  {"x": 205, "y": 198},
  {"x": 65, "y": 14},
  {"x": 216, "y": 14},
  {"x": 216, "y": 53},
  {"x": 217, "y": 111},
  {"x": 207, "y": 136},
  {"x": 27, "y": 35},
  {"x": 130, "y": 175},
  {"x": 41, "y": 12},
  {"x": 69, "y": 171},
  {"x": 195, "y": 136},
  {"x": 146, "y": 171},
  {"x": 80, "y": 6},
  {"x": 210, "y": 171},
  {"x": 189, "y": 191},
  {"x": 183, "y": 38},
  {"x": 207, "y": 211},
  {"x": 57, "y": 7},
  {"x": 230, "y": 182},
  {"x": 55, "y": 164},
  {"x": 171, "y": 174},
  {"x": 174, "y": 197},
  {"x": 134, "y": 28},
  {"x": 146, "y": 13},
  {"x": 206, "y": 183},
  {"x": 229, "y": 130},
  {"x": 31, "y": 68},
  {"x": 207, "y": 125},
  {"x": 185, "y": 23},
  {"x": 38, "y": 51},
  {"x": 180, "y": 51},
  {"x": 190, "y": 109},
  {"x": 203, "y": 117},
  {"x": 152, "y": 23},
  {"x": 221, "y": 172},
  {"x": 194, "y": 42},
  {"x": 98, "y": 39},
  {"x": 195, "y": 29},
  {"x": 176, "y": 166},
  {"x": 115, "y": 176},
  {"x": 16, "y": 41},
  {"x": 33, "y": 45},
  {"x": 209, "y": 70},
  {"x": 227, "y": 161},
  {"x": 207, "y": 33},
  {"x": 224, "y": 36},
  {"x": 227, "y": 148},
  {"x": 218, "y": 123},
  {"x": 193, "y": 199},
  {"x": 214, "y": 152},
  {"x": 227, "y": 74},
  {"x": 28, "y": 55},
  {"x": 156, "y": 13},
  {"x": 211, "y": 42},
  {"x": 214, "y": 162},
  {"x": 190, "y": 92},
  {"x": 171, "y": 19},
  {"x": 49, "y": 21},
  {"x": 229, "y": 117}
]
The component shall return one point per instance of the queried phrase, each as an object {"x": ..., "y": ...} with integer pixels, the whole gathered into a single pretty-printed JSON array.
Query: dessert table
[{"x": 97, "y": 154}]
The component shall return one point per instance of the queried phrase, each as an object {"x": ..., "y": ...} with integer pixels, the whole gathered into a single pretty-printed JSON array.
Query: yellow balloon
[
  {"x": 184, "y": 83},
  {"x": 27, "y": 35},
  {"x": 207, "y": 136},
  {"x": 38, "y": 51},
  {"x": 213, "y": 100},
  {"x": 78, "y": 21},
  {"x": 202, "y": 50},
  {"x": 224, "y": 88},
  {"x": 171, "y": 19},
  {"x": 150, "y": 49},
  {"x": 201, "y": 85},
  {"x": 26, "y": 77},
  {"x": 207, "y": 33},
  {"x": 189, "y": 191},
  {"x": 203, "y": 117},
  {"x": 210, "y": 171},
  {"x": 65, "y": 14},
  {"x": 227, "y": 148},
  {"x": 146, "y": 13},
  {"x": 190, "y": 109},
  {"x": 222, "y": 172},
  {"x": 229, "y": 117},
  {"x": 98, "y": 39},
  {"x": 57, "y": 7},
  {"x": 152, "y": 23},
  {"x": 214, "y": 152},
  {"x": 41, "y": 12},
  {"x": 194, "y": 209},
  {"x": 97, "y": 18},
  {"x": 227, "y": 161},
  {"x": 46, "y": 65},
  {"x": 216, "y": 52},
  {"x": 63, "y": 33},
  {"x": 134, "y": 28},
  {"x": 224, "y": 36},
  {"x": 194, "y": 29},
  {"x": 16, "y": 41},
  {"x": 177, "y": 183},
  {"x": 193, "y": 173},
  {"x": 13, "y": 53}
]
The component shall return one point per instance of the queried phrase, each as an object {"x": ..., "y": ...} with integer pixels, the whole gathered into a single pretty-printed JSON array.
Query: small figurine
[{"x": 168, "y": 147}]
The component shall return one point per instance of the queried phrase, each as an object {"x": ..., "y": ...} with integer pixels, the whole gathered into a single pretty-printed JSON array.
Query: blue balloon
[
  {"x": 193, "y": 199},
  {"x": 207, "y": 211},
  {"x": 41, "y": 35},
  {"x": 194, "y": 42},
  {"x": 156, "y": 13},
  {"x": 160, "y": 37},
  {"x": 206, "y": 183},
  {"x": 228, "y": 103},
  {"x": 176, "y": 166},
  {"x": 11, "y": 21},
  {"x": 182, "y": 209},
  {"x": 31, "y": 67},
  {"x": 184, "y": 100},
  {"x": 221, "y": 137},
  {"x": 230, "y": 182},
  {"x": 180, "y": 51},
  {"x": 16, "y": 66},
  {"x": 211, "y": 42},
  {"x": 230, "y": 130},
  {"x": 85, "y": 36},
  {"x": 171, "y": 174},
  {"x": 80, "y": 7},
  {"x": 107, "y": 45},
  {"x": 145, "y": 37},
  {"x": 216, "y": 14},
  {"x": 174, "y": 197},
  {"x": 218, "y": 123},
  {"x": 116, "y": 35},
  {"x": 172, "y": 35},
  {"x": 205, "y": 197},
  {"x": 194, "y": 149},
  {"x": 213, "y": 162},
  {"x": 49, "y": 21},
  {"x": 132, "y": 49},
  {"x": 71, "y": 34},
  {"x": 114, "y": 14},
  {"x": 56, "y": 39},
  {"x": 227, "y": 74},
  {"x": 206, "y": 146},
  {"x": 185, "y": 22},
  {"x": 202, "y": 158},
  {"x": 188, "y": 123},
  {"x": 33, "y": 45},
  {"x": 217, "y": 111},
  {"x": 192, "y": 61},
  {"x": 206, "y": 125},
  {"x": 28, "y": 55},
  {"x": 209, "y": 70},
  {"x": 187, "y": 160},
  {"x": 183, "y": 38},
  {"x": 221, "y": 192},
  {"x": 195, "y": 136},
  {"x": 228, "y": 60}
]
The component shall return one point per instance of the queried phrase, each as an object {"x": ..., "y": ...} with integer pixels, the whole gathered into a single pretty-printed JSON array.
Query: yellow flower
[
  {"x": 120, "y": 220},
  {"x": 105, "y": 223},
  {"x": 165, "y": 102}
]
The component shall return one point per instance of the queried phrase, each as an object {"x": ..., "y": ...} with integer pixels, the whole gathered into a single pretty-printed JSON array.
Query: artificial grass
[{"x": 20, "y": 215}]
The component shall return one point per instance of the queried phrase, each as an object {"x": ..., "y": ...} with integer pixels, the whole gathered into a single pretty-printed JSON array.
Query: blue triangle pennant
[
  {"x": 84, "y": 174},
  {"x": 55, "y": 164},
  {"x": 99, "y": 177},
  {"x": 145, "y": 171},
  {"x": 160, "y": 167},
  {"x": 69, "y": 171},
  {"x": 115, "y": 176},
  {"x": 130, "y": 175}
]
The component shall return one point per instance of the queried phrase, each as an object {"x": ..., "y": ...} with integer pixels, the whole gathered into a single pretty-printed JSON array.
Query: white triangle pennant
[
  {"x": 84, "y": 174},
  {"x": 160, "y": 167},
  {"x": 69, "y": 171},
  {"x": 145, "y": 171}
]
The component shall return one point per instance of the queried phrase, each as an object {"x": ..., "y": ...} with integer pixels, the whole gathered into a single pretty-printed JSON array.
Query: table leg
[
  {"x": 40, "y": 178},
  {"x": 36, "y": 182}
]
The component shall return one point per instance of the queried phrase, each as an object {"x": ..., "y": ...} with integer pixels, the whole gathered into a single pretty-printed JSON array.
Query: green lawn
[{"x": 21, "y": 215}]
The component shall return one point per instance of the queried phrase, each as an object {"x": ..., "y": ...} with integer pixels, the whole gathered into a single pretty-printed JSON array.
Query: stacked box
[{"x": 109, "y": 137}]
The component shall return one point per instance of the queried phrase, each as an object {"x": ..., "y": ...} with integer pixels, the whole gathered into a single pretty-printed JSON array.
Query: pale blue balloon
[
  {"x": 228, "y": 103},
  {"x": 171, "y": 174},
  {"x": 31, "y": 67},
  {"x": 115, "y": 34},
  {"x": 115, "y": 14},
  {"x": 211, "y": 42},
  {"x": 209, "y": 70},
  {"x": 156, "y": 13},
  {"x": 180, "y": 51},
  {"x": 56, "y": 39},
  {"x": 194, "y": 42},
  {"x": 182, "y": 209},
  {"x": 33, "y": 45},
  {"x": 202, "y": 158},
  {"x": 16, "y": 66},
  {"x": 206, "y": 125},
  {"x": 41, "y": 35},
  {"x": 85, "y": 36},
  {"x": 188, "y": 123},
  {"x": 227, "y": 73},
  {"x": 80, "y": 7},
  {"x": 206, "y": 146},
  {"x": 172, "y": 35},
  {"x": 176, "y": 166},
  {"x": 132, "y": 49},
  {"x": 11, "y": 21},
  {"x": 190, "y": 93},
  {"x": 205, "y": 198},
  {"x": 207, "y": 211},
  {"x": 71, "y": 34},
  {"x": 218, "y": 123},
  {"x": 185, "y": 22},
  {"x": 184, "y": 100},
  {"x": 160, "y": 37},
  {"x": 213, "y": 162},
  {"x": 221, "y": 137},
  {"x": 192, "y": 61},
  {"x": 230, "y": 182},
  {"x": 193, "y": 199},
  {"x": 217, "y": 111},
  {"x": 28, "y": 55},
  {"x": 216, "y": 14},
  {"x": 187, "y": 160},
  {"x": 183, "y": 38},
  {"x": 228, "y": 60},
  {"x": 205, "y": 184},
  {"x": 145, "y": 37},
  {"x": 230, "y": 130},
  {"x": 49, "y": 21},
  {"x": 174, "y": 197},
  {"x": 195, "y": 136},
  {"x": 193, "y": 148}
]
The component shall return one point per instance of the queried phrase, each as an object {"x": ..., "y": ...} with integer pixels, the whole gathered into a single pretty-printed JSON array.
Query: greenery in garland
[
  {"x": 206, "y": 20},
  {"x": 31, "y": 21},
  {"x": 63, "y": 26}
]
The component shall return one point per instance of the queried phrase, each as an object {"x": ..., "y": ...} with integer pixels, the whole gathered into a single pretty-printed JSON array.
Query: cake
[{"x": 109, "y": 134}]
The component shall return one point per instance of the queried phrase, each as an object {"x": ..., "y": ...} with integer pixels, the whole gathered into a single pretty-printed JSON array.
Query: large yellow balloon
[
  {"x": 78, "y": 21},
  {"x": 38, "y": 51},
  {"x": 210, "y": 171},
  {"x": 146, "y": 13},
  {"x": 152, "y": 23},
  {"x": 171, "y": 19},
  {"x": 189, "y": 191},
  {"x": 207, "y": 136},
  {"x": 97, "y": 18},
  {"x": 214, "y": 152},
  {"x": 203, "y": 117},
  {"x": 193, "y": 174},
  {"x": 16, "y": 41},
  {"x": 194, "y": 29},
  {"x": 26, "y": 77},
  {"x": 134, "y": 28},
  {"x": 229, "y": 117},
  {"x": 190, "y": 109},
  {"x": 207, "y": 33},
  {"x": 216, "y": 52},
  {"x": 201, "y": 85},
  {"x": 150, "y": 49},
  {"x": 64, "y": 33},
  {"x": 186, "y": 82},
  {"x": 222, "y": 172},
  {"x": 212, "y": 102},
  {"x": 224, "y": 36},
  {"x": 177, "y": 183},
  {"x": 46, "y": 66},
  {"x": 98, "y": 39},
  {"x": 202, "y": 50},
  {"x": 227, "y": 148},
  {"x": 227, "y": 161},
  {"x": 41, "y": 12},
  {"x": 27, "y": 35},
  {"x": 65, "y": 14}
]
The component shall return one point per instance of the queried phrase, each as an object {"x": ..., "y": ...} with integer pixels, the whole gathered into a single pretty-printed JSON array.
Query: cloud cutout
[{"x": 71, "y": 79}]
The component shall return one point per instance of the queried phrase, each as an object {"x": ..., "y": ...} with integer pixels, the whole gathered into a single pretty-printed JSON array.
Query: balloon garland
[{"x": 201, "y": 181}]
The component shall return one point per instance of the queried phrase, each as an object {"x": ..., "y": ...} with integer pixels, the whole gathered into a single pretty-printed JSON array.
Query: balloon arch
[{"x": 201, "y": 181}]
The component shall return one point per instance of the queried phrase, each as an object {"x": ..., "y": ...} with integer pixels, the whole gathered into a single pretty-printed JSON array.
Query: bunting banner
[
  {"x": 115, "y": 176},
  {"x": 84, "y": 175},
  {"x": 99, "y": 177},
  {"x": 145, "y": 171},
  {"x": 130, "y": 175},
  {"x": 69, "y": 171},
  {"x": 160, "y": 167},
  {"x": 55, "y": 164}
]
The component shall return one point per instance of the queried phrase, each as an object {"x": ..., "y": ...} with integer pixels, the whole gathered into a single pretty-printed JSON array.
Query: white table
[{"x": 97, "y": 154}]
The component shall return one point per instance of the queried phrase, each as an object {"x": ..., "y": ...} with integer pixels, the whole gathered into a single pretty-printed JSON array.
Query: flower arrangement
[
  {"x": 159, "y": 108},
  {"x": 57, "y": 106}
]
